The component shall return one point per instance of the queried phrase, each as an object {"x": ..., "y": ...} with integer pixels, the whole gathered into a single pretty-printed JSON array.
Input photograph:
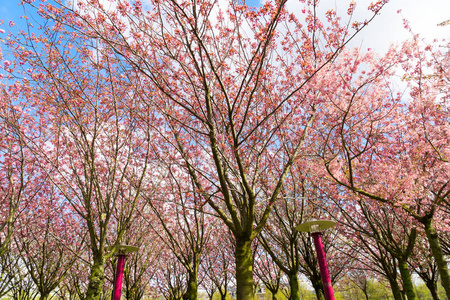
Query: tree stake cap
[
  {"x": 315, "y": 226},
  {"x": 122, "y": 249}
]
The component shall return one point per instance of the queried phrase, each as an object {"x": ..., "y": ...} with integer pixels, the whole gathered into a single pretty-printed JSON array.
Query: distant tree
[
  {"x": 41, "y": 243},
  {"x": 364, "y": 288},
  {"x": 182, "y": 223},
  {"x": 19, "y": 177},
  {"x": 140, "y": 267},
  {"x": 217, "y": 264},
  {"x": 9, "y": 266},
  {"x": 171, "y": 278},
  {"x": 268, "y": 273}
]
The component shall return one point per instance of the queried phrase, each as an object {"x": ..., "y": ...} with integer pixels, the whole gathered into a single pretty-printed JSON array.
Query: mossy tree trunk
[
  {"x": 408, "y": 285},
  {"x": 436, "y": 249},
  {"x": 96, "y": 279},
  {"x": 294, "y": 286},
  {"x": 244, "y": 268},
  {"x": 192, "y": 285}
]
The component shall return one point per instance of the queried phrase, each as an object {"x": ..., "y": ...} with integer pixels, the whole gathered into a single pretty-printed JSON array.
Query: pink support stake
[
  {"x": 119, "y": 277},
  {"x": 122, "y": 251},
  {"x": 326, "y": 279},
  {"x": 315, "y": 227}
]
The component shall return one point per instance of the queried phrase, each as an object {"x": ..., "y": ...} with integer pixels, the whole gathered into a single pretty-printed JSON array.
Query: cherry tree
[
  {"x": 389, "y": 228},
  {"x": 181, "y": 222},
  {"x": 20, "y": 180},
  {"x": 19, "y": 177},
  {"x": 171, "y": 278},
  {"x": 293, "y": 251},
  {"x": 9, "y": 265},
  {"x": 23, "y": 288},
  {"x": 428, "y": 125},
  {"x": 395, "y": 152},
  {"x": 217, "y": 263},
  {"x": 370, "y": 256},
  {"x": 267, "y": 271},
  {"x": 140, "y": 267},
  {"x": 91, "y": 145},
  {"x": 359, "y": 278},
  {"x": 75, "y": 283},
  {"x": 43, "y": 240},
  {"x": 233, "y": 86},
  {"x": 280, "y": 239}
]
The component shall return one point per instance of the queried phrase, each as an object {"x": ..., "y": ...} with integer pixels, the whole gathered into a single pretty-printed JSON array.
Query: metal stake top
[
  {"x": 315, "y": 226},
  {"x": 123, "y": 249}
]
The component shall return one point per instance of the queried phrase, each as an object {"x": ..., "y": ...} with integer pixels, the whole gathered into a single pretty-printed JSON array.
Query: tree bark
[
  {"x": 274, "y": 296},
  {"x": 192, "y": 285},
  {"x": 244, "y": 269},
  {"x": 44, "y": 296},
  {"x": 436, "y": 249},
  {"x": 318, "y": 289},
  {"x": 294, "y": 286},
  {"x": 433, "y": 290},
  {"x": 406, "y": 279},
  {"x": 366, "y": 294},
  {"x": 396, "y": 292},
  {"x": 96, "y": 279}
]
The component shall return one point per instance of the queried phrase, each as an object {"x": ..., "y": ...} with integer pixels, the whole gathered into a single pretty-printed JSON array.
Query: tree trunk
[
  {"x": 192, "y": 285},
  {"x": 244, "y": 269},
  {"x": 406, "y": 279},
  {"x": 318, "y": 288},
  {"x": 431, "y": 285},
  {"x": 435, "y": 245},
  {"x": 366, "y": 294},
  {"x": 44, "y": 295},
  {"x": 274, "y": 296},
  {"x": 223, "y": 293},
  {"x": 294, "y": 286},
  {"x": 96, "y": 279},
  {"x": 396, "y": 292}
]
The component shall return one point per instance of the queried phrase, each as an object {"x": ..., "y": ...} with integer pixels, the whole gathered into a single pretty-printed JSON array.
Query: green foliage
[
  {"x": 216, "y": 296},
  {"x": 305, "y": 293},
  {"x": 374, "y": 290},
  {"x": 423, "y": 293}
]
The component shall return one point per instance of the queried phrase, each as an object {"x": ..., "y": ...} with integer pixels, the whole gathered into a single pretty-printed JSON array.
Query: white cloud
[{"x": 388, "y": 27}]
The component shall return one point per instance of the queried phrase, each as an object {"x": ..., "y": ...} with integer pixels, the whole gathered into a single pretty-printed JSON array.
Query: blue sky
[
  {"x": 424, "y": 15},
  {"x": 10, "y": 10}
]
